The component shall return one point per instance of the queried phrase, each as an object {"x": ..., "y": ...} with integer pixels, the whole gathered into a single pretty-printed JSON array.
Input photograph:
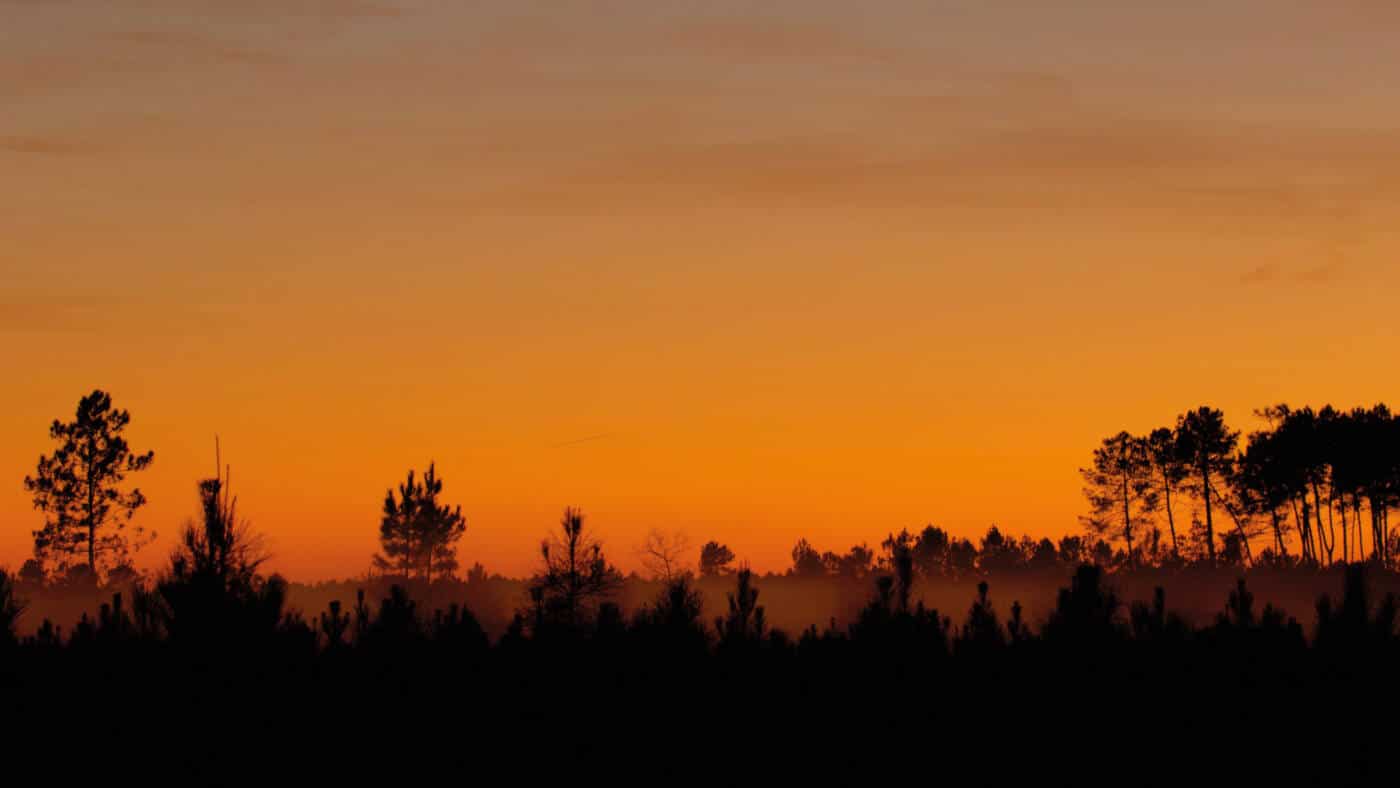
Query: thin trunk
[
  {"x": 1378, "y": 549},
  {"x": 1360, "y": 530},
  {"x": 1239, "y": 527},
  {"x": 1128, "y": 523},
  {"x": 1385, "y": 535},
  {"x": 1346, "y": 534},
  {"x": 1171, "y": 521},
  {"x": 92, "y": 530},
  {"x": 1328, "y": 540},
  {"x": 91, "y": 508},
  {"x": 1210, "y": 523},
  {"x": 1302, "y": 529}
]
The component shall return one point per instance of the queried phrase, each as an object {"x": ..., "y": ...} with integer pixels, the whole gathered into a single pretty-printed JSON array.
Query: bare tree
[{"x": 662, "y": 554}]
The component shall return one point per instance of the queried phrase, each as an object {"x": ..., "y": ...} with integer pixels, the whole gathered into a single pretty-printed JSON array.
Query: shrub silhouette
[
  {"x": 745, "y": 622},
  {"x": 1086, "y": 612}
]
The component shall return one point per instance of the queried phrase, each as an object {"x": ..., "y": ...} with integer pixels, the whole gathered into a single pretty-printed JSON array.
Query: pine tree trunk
[
  {"x": 1171, "y": 521},
  {"x": 1210, "y": 523},
  {"x": 1128, "y": 524}
]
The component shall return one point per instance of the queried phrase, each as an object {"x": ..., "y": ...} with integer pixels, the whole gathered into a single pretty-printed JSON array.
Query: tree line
[{"x": 1315, "y": 486}]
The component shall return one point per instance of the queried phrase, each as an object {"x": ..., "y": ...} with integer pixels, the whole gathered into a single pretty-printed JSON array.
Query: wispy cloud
[
  {"x": 1273, "y": 273},
  {"x": 583, "y": 440},
  {"x": 1268, "y": 272},
  {"x": 1327, "y": 272},
  {"x": 191, "y": 44},
  {"x": 756, "y": 39},
  {"x": 43, "y": 146}
]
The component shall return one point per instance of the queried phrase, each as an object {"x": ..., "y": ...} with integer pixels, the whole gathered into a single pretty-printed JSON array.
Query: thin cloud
[
  {"x": 1269, "y": 272},
  {"x": 1273, "y": 273},
  {"x": 192, "y": 44},
  {"x": 587, "y": 439},
  {"x": 755, "y": 40},
  {"x": 1322, "y": 274},
  {"x": 43, "y": 146}
]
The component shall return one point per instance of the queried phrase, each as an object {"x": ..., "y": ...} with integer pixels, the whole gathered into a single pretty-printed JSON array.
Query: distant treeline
[{"x": 1313, "y": 489}]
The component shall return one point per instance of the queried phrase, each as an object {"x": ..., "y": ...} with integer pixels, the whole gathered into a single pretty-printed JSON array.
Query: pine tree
[
  {"x": 418, "y": 535},
  {"x": 1121, "y": 489},
  {"x": 79, "y": 487}
]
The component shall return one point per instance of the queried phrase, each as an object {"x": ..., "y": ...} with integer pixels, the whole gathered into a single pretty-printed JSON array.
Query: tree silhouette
[
  {"x": 417, "y": 534},
  {"x": 1264, "y": 484},
  {"x": 930, "y": 551},
  {"x": 78, "y": 487},
  {"x": 1302, "y": 435},
  {"x": 212, "y": 592},
  {"x": 220, "y": 545},
  {"x": 806, "y": 561},
  {"x": 1207, "y": 446},
  {"x": 1086, "y": 613},
  {"x": 1168, "y": 474},
  {"x": 902, "y": 564},
  {"x": 745, "y": 621},
  {"x": 715, "y": 559},
  {"x": 32, "y": 574},
  {"x": 661, "y": 554},
  {"x": 1372, "y": 473},
  {"x": 674, "y": 617},
  {"x": 10, "y": 610},
  {"x": 856, "y": 563},
  {"x": 334, "y": 625},
  {"x": 1121, "y": 489},
  {"x": 576, "y": 576},
  {"x": 981, "y": 632},
  {"x": 999, "y": 554}
]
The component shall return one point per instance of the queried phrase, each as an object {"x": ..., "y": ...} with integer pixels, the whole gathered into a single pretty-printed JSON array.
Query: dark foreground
[{"x": 1101, "y": 693}]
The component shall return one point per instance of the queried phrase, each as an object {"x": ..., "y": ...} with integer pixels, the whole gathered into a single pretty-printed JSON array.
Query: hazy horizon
[{"x": 749, "y": 274}]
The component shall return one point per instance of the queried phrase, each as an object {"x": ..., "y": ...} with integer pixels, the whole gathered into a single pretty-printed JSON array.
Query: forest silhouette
[{"x": 1164, "y": 643}]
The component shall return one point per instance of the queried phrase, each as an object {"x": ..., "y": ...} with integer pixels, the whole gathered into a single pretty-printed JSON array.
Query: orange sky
[{"x": 797, "y": 272}]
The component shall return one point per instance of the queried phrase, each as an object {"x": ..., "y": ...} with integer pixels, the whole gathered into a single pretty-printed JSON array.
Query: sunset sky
[{"x": 747, "y": 271}]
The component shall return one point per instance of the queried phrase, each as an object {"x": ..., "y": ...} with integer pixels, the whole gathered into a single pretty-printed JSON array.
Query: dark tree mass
[{"x": 1228, "y": 614}]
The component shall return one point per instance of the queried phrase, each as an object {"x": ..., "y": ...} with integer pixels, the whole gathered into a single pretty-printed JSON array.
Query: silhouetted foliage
[
  {"x": 212, "y": 591},
  {"x": 1087, "y": 612},
  {"x": 216, "y": 667},
  {"x": 10, "y": 610},
  {"x": 1121, "y": 488},
  {"x": 745, "y": 622},
  {"x": 79, "y": 487},
  {"x": 715, "y": 559},
  {"x": 1207, "y": 446},
  {"x": 806, "y": 561},
  {"x": 576, "y": 577},
  {"x": 418, "y": 535}
]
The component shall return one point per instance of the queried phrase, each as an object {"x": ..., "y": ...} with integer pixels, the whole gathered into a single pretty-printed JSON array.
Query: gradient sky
[{"x": 817, "y": 269}]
